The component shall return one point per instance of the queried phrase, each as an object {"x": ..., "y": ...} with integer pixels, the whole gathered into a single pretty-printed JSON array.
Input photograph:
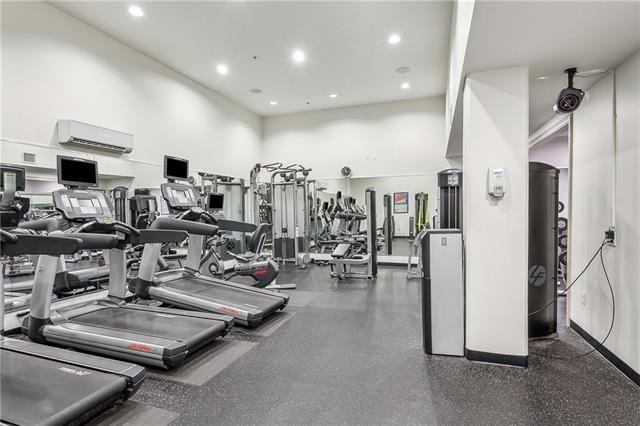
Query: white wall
[
  {"x": 54, "y": 66},
  {"x": 597, "y": 161},
  {"x": 461, "y": 17},
  {"x": 626, "y": 340},
  {"x": 555, "y": 152},
  {"x": 386, "y": 139},
  {"x": 388, "y": 185},
  {"x": 496, "y": 134}
]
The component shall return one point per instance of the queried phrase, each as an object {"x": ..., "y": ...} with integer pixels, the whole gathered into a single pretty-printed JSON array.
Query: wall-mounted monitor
[
  {"x": 215, "y": 201},
  {"x": 77, "y": 172},
  {"x": 12, "y": 177},
  {"x": 176, "y": 168}
]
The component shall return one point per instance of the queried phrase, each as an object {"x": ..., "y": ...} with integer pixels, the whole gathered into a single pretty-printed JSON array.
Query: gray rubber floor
[
  {"x": 350, "y": 353},
  {"x": 400, "y": 247}
]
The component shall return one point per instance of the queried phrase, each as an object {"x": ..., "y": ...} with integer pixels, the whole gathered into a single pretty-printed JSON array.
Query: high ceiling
[
  {"x": 550, "y": 37},
  {"x": 345, "y": 44}
]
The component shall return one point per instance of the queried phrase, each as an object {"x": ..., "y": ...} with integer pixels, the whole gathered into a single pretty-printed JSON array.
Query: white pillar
[{"x": 495, "y": 135}]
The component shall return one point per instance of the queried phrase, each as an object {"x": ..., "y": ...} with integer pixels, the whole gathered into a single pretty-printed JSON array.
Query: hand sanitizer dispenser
[{"x": 497, "y": 182}]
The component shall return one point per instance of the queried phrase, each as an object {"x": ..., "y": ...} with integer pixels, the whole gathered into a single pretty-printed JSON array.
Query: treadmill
[
  {"x": 69, "y": 278},
  {"x": 51, "y": 386},
  {"x": 150, "y": 335},
  {"x": 186, "y": 287}
]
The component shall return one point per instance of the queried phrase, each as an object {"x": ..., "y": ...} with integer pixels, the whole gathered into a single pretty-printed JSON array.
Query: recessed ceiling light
[
  {"x": 273, "y": 103},
  {"x": 298, "y": 56},
  {"x": 223, "y": 69},
  {"x": 405, "y": 85},
  {"x": 394, "y": 39},
  {"x": 403, "y": 70},
  {"x": 333, "y": 95},
  {"x": 543, "y": 77},
  {"x": 136, "y": 11},
  {"x": 255, "y": 91}
]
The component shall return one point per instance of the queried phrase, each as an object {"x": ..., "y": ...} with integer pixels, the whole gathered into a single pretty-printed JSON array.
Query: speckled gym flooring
[{"x": 350, "y": 353}]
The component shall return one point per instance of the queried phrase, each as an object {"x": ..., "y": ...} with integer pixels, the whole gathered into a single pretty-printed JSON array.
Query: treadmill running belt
[
  {"x": 267, "y": 304},
  {"x": 158, "y": 324},
  {"x": 46, "y": 392}
]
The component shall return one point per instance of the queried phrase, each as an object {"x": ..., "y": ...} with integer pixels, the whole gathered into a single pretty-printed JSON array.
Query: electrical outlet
[
  {"x": 583, "y": 298},
  {"x": 610, "y": 235}
]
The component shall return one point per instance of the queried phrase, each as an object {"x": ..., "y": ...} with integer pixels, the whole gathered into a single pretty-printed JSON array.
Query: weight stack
[
  {"x": 543, "y": 249},
  {"x": 450, "y": 188}
]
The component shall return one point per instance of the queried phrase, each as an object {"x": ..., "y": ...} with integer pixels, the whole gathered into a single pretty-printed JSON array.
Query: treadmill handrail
[
  {"x": 236, "y": 225},
  {"x": 94, "y": 241},
  {"x": 50, "y": 245},
  {"x": 155, "y": 236},
  {"x": 49, "y": 224},
  {"x": 106, "y": 227},
  {"x": 195, "y": 228}
]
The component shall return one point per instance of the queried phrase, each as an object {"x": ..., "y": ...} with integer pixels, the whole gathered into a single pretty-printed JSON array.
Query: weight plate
[
  {"x": 563, "y": 258},
  {"x": 563, "y": 224},
  {"x": 563, "y": 241}
]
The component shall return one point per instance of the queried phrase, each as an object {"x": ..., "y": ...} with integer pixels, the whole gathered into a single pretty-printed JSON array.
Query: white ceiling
[
  {"x": 559, "y": 136},
  {"x": 550, "y": 36},
  {"x": 345, "y": 44}
]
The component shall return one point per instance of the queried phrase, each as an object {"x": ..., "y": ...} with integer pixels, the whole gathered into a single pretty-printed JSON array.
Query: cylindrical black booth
[{"x": 543, "y": 249}]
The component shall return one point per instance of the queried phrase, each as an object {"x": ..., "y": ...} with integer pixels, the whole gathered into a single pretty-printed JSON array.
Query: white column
[{"x": 495, "y": 135}]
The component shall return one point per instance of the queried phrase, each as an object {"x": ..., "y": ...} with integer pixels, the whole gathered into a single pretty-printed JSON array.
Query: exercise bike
[{"x": 261, "y": 269}]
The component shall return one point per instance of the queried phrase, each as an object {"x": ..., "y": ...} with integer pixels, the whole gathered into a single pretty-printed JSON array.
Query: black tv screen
[
  {"x": 176, "y": 168},
  {"x": 12, "y": 174},
  {"x": 77, "y": 172},
  {"x": 216, "y": 201}
]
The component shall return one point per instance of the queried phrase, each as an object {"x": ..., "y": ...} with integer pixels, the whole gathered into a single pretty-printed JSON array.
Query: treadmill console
[
  {"x": 82, "y": 205},
  {"x": 179, "y": 196}
]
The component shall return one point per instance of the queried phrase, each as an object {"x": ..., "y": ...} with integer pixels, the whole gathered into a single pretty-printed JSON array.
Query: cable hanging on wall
[{"x": 598, "y": 253}]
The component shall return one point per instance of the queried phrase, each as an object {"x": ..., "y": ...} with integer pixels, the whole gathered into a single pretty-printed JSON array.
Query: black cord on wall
[
  {"x": 613, "y": 307},
  {"x": 574, "y": 281}
]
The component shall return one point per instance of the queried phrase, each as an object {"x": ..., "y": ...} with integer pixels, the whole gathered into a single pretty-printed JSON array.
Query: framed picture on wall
[{"x": 400, "y": 202}]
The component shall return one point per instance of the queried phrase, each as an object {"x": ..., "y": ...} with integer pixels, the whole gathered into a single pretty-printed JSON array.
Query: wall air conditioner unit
[{"x": 82, "y": 134}]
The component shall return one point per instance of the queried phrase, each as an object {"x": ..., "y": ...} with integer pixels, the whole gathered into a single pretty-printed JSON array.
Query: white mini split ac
[{"x": 89, "y": 136}]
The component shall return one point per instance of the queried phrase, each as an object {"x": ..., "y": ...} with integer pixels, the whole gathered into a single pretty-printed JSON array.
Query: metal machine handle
[{"x": 8, "y": 236}]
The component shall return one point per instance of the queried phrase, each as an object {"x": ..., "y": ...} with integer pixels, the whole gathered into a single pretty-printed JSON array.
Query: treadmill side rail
[
  {"x": 133, "y": 373},
  {"x": 175, "y": 274},
  {"x": 240, "y": 313},
  {"x": 227, "y": 319},
  {"x": 130, "y": 346},
  {"x": 66, "y": 393}
]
